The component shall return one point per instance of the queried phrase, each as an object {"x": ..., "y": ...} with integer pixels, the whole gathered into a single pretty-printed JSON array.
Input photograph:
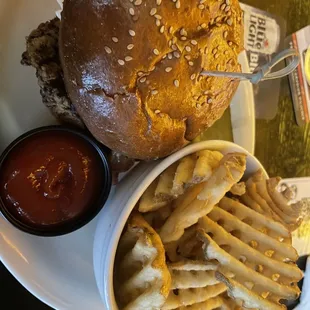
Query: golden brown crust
[{"x": 136, "y": 83}]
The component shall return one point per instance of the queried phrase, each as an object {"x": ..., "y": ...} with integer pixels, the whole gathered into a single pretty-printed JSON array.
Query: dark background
[{"x": 14, "y": 296}]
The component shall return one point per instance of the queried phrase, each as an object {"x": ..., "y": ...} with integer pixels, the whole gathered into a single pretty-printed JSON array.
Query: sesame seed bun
[{"x": 132, "y": 69}]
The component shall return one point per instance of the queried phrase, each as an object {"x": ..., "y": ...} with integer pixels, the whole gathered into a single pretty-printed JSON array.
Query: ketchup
[{"x": 50, "y": 177}]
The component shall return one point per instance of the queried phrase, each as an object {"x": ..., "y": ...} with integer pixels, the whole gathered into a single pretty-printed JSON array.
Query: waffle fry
[
  {"x": 210, "y": 304},
  {"x": 147, "y": 201},
  {"x": 222, "y": 253},
  {"x": 207, "y": 161},
  {"x": 200, "y": 199},
  {"x": 238, "y": 189},
  {"x": 250, "y": 299},
  {"x": 186, "y": 275},
  {"x": 189, "y": 297},
  {"x": 262, "y": 263},
  {"x": 183, "y": 176},
  {"x": 188, "y": 246},
  {"x": 261, "y": 223},
  {"x": 143, "y": 277},
  {"x": 157, "y": 218},
  {"x": 274, "y": 204},
  {"x": 173, "y": 182},
  {"x": 163, "y": 191}
]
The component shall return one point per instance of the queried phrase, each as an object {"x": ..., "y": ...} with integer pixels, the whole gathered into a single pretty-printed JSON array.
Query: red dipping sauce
[{"x": 50, "y": 178}]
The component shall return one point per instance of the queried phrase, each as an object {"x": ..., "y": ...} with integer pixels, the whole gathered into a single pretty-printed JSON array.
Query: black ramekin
[{"x": 89, "y": 214}]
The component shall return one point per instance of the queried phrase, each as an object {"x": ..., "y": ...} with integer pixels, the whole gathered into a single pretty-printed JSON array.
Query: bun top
[{"x": 132, "y": 69}]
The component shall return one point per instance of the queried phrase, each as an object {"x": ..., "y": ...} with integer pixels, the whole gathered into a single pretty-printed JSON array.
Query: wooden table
[{"x": 281, "y": 145}]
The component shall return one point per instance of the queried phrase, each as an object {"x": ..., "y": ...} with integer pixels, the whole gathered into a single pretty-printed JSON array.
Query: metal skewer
[{"x": 264, "y": 73}]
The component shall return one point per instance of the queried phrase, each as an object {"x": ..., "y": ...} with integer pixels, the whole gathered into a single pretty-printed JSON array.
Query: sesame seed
[
  {"x": 202, "y": 1},
  {"x": 138, "y": 2},
  {"x": 193, "y": 76},
  {"x": 204, "y": 25},
  {"x": 188, "y": 48},
  {"x": 196, "y": 97},
  {"x": 228, "y": 2},
  {"x": 217, "y": 55},
  {"x": 200, "y": 78},
  {"x": 115, "y": 39},
  {"x": 229, "y": 22},
  {"x": 157, "y": 111},
  {"x": 214, "y": 51},
  {"x": 176, "y": 54},
  {"x": 168, "y": 69},
  {"x": 162, "y": 29},
  {"x": 223, "y": 6},
  {"x": 153, "y": 68},
  {"x": 143, "y": 79},
  {"x": 174, "y": 40},
  {"x": 170, "y": 43},
  {"x": 183, "y": 32},
  {"x": 218, "y": 67},
  {"x": 191, "y": 63},
  {"x": 157, "y": 16},
  {"x": 174, "y": 0},
  {"x": 218, "y": 19},
  {"x": 201, "y": 7},
  {"x": 199, "y": 28},
  {"x": 174, "y": 47},
  {"x": 154, "y": 92},
  {"x": 128, "y": 58},
  {"x": 230, "y": 43},
  {"x": 187, "y": 57},
  {"x": 108, "y": 50},
  {"x": 156, "y": 51},
  {"x": 178, "y": 4},
  {"x": 140, "y": 73},
  {"x": 229, "y": 13},
  {"x": 206, "y": 50},
  {"x": 158, "y": 2},
  {"x": 226, "y": 52},
  {"x": 157, "y": 22},
  {"x": 210, "y": 100},
  {"x": 230, "y": 61},
  {"x": 170, "y": 56},
  {"x": 194, "y": 42},
  {"x": 176, "y": 83},
  {"x": 183, "y": 38},
  {"x": 131, "y": 32},
  {"x": 130, "y": 46},
  {"x": 227, "y": 8},
  {"x": 121, "y": 62},
  {"x": 164, "y": 57},
  {"x": 153, "y": 11},
  {"x": 198, "y": 105},
  {"x": 225, "y": 34},
  {"x": 206, "y": 92},
  {"x": 131, "y": 0},
  {"x": 132, "y": 11},
  {"x": 170, "y": 29}
]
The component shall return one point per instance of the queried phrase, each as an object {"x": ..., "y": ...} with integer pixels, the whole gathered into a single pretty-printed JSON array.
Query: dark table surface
[{"x": 281, "y": 155}]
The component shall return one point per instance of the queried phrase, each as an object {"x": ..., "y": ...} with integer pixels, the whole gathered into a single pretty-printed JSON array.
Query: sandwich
[{"x": 131, "y": 71}]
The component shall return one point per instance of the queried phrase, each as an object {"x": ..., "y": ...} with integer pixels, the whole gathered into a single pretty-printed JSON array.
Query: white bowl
[{"x": 114, "y": 215}]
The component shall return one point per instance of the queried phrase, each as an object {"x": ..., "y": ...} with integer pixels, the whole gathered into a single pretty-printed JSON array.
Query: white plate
[{"x": 59, "y": 271}]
